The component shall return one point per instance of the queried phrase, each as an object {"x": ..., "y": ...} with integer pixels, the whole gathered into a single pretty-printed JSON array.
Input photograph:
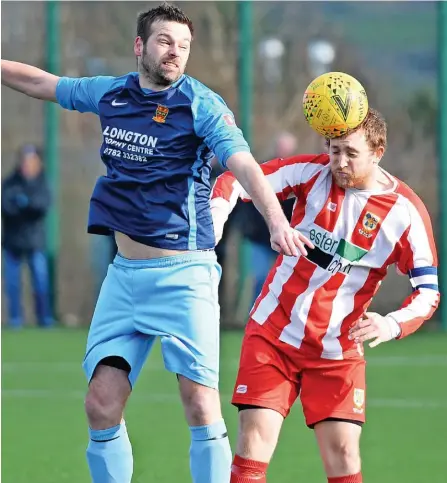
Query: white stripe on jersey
[{"x": 418, "y": 239}]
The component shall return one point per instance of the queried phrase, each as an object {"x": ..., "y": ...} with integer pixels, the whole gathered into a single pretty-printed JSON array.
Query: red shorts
[{"x": 272, "y": 374}]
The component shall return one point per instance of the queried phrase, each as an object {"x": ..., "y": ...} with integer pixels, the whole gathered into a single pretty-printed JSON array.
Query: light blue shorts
[{"x": 174, "y": 298}]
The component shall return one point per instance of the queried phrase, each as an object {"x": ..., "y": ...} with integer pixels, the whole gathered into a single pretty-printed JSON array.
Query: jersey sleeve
[
  {"x": 214, "y": 122},
  {"x": 418, "y": 260},
  {"x": 83, "y": 93},
  {"x": 286, "y": 176}
]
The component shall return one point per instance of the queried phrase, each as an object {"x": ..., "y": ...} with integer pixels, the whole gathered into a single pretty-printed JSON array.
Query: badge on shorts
[{"x": 359, "y": 398}]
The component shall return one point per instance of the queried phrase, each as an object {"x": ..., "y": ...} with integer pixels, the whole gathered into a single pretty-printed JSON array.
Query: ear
[
  {"x": 138, "y": 47},
  {"x": 380, "y": 151}
]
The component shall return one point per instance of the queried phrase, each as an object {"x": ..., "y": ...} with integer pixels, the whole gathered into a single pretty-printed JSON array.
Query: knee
[
  {"x": 342, "y": 458},
  {"x": 201, "y": 403},
  {"x": 258, "y": 433},
  {"x": 105, "y": 400},
  {"x": 102, "y": 412}
]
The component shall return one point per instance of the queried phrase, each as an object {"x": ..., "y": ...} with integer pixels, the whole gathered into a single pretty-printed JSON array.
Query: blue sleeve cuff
[
  {"x": 224, "y": 153},
  {"x": 63, "y": 93}
]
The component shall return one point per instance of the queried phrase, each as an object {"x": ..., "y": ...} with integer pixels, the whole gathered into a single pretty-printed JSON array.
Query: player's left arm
[
  {"x": 214, "y": 122},
  {"x": 418, "y": 260}
]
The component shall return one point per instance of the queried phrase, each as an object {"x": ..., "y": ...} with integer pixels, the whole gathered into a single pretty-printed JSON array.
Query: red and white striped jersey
[{"x": 311, "y": 302}]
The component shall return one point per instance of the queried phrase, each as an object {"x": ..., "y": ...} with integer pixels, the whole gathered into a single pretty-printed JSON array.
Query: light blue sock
[
  {"x": 109, "y": 455},
  {"x": 210, "y": 454}
]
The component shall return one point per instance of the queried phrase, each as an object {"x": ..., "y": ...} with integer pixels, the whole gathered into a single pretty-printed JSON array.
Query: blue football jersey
[{"x": 157, "y": 148}]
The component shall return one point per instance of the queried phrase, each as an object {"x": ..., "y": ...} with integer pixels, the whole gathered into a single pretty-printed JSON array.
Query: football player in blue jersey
[{"x": 160, "y": 130}]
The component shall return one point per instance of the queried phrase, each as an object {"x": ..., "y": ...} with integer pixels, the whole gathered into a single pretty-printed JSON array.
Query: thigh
[
  {"x": 265, "y": 378},
  {"x": 112, "y": 331},
  {"x": 334, "y": 390},
  {"x": 12, "y": 272},
  {"x": 37, "y": 262},
  {"x": 182, "y": 308}
]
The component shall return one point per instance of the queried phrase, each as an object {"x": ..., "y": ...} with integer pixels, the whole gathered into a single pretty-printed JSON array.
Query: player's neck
[
  {"x": 146, "y": 83},
  {"x": 377, "y": 181}
]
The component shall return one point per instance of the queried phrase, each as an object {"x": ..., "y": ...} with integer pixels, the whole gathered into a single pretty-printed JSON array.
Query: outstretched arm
[
  {"x": 418, "y": 260},
  {"x": 73, "y": 93},
  {"x": 29, "y": 80}
]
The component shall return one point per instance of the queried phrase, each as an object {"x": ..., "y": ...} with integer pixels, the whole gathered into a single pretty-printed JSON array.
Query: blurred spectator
[
  {"x": 25, "y": 202},
  {"x": 254, "y": 227}
]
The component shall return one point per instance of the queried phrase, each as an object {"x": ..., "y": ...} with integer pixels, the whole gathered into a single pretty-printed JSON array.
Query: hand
[
  {"x": 285, "y": 239},
  {"x": 374, "y": 326}
]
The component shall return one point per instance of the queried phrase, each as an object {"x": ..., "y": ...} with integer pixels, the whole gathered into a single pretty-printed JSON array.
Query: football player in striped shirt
[
  {"x": 306, "y": 330},
  {"x": 160, "y": 128}
]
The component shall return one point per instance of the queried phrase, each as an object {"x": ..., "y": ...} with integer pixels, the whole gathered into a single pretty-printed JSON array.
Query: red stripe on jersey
[
  {"x": 319, "y": 315},
  {"x": 371, "y": 219},
  {"x": 408, "y": 193},
  {"x": 404, "y": 258},
  {"x": 291, "y": 290},
  {"x": 223, "y": 187},
  {"x": 328, "y": 216},
  {"x": 286, "y": 192}
]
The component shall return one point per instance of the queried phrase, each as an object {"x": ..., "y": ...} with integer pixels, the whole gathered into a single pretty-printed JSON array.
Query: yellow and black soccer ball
[{"x": 334, "y": 103}]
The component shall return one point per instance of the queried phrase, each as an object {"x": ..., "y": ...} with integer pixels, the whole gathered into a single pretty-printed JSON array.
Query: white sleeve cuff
[{"x": 394, "y": 326}]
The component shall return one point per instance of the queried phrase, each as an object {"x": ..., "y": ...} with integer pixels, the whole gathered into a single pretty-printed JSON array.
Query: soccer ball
[{"x": 334, "y": 103}]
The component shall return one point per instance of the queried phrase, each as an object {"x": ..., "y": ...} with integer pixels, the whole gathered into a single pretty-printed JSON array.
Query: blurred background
[{"x": 259, "y": 56}]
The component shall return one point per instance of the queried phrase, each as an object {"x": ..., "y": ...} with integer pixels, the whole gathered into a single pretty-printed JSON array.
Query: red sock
[
  {"x": 346, "y": 479},
  {"x": 248, "y": 471}
]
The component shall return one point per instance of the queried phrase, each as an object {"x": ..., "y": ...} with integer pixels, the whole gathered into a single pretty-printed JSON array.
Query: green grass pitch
[{"x": 44, "y": 431}]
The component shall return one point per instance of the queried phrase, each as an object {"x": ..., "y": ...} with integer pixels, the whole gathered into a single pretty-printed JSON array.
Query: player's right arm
[
  {"x": 29, "y": 80},
  {"x": 73, "y": 93}
]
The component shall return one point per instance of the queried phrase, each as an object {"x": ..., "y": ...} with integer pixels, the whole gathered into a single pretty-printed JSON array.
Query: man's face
[
  {"x": 352, "y": 160},
  {"x": 30, "y": 166},
  {"x": 164, "y": 56}
]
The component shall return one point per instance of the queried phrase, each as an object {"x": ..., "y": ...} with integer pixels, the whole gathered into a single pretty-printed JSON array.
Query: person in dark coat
[{"x": 25, "y": 202}]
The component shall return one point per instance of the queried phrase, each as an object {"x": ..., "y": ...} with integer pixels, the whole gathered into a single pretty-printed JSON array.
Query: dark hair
[
  {"x": 375, "y": 129},
  {"x": 164, "y": 12},
  {"x": 25, "y": 149}
]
